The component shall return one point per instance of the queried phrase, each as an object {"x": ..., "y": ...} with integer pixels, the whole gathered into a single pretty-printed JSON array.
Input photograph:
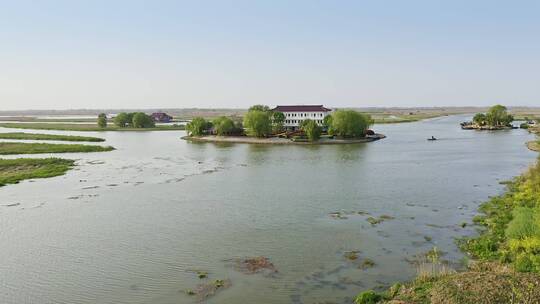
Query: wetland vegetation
[
  {"x": 13, "y": 171},
  {"x": 9, "y": 148},
  {"x": 35, "y": 136},
  {"x": 85, "y": 127},
  {"x": 506, "y": 256}
]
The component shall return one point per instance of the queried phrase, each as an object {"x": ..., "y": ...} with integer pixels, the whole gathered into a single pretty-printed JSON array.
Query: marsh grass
[
  {"x": 85, "y": 127},
  {"x": 35, "y": 136},
  {"x": 431, "y": 267},
  {"x": 14, "y": 170},
  {"x": 8, "y": 148}
]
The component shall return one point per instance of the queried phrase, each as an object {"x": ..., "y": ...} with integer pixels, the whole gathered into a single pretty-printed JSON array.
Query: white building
[{"x": 294, "y": 115}]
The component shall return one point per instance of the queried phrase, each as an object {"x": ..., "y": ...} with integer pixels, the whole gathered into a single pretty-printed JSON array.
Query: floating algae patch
[
  {"x": 377, "y": 220},
  {"x": 374, "y": 221},
  {"x": 206, "y": 290},
  {"x": 338, "y": 215},
  {"x": 253, "y": 265},
  {"x": 343, "y": 215},
  {"x": 366, "y": 264},
  {"x": 352, "y": 255}
]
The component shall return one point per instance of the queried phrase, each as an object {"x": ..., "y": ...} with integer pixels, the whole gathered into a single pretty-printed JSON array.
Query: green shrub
[
  {"x": 523, "y": 263},
  {"x": 523, "y": 224},
  {"x": 368, "y": 297}
]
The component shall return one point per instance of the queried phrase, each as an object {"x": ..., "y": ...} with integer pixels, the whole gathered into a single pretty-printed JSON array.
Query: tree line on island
[
  {"x": 127, "y": 120},
  {"x": 497, "y": 117},
  {"x": 260, "y": 121}
]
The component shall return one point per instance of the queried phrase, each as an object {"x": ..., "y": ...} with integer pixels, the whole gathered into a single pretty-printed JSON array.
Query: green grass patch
[
  {"x": 85, "y": 127},
  {"x": 35, "y": 136},
  {"x": 511, "y": 225},
  {"x": 7, "y": 148},
  {"x": 13, "y": 171}
]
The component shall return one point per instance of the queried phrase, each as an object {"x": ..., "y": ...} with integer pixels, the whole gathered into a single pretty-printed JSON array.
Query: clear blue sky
[{"x": 118, "y": 54}]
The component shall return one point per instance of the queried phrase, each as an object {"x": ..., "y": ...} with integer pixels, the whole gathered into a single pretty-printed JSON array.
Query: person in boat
[{"x": 432, "y": 138}]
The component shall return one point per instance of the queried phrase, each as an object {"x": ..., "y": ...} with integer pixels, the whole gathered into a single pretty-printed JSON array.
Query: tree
[
  {"x": 141, "y": 120},
  {"x": 102, "y": 120},
  {"x": 498, "y": 116},
  {"x": 122, "y": 120},
  {"x": 261, "y": 108},
  {"x": 258, "y": 123},
  {"x": 480, "y": 119},
  {"x": 278, "y": 118},
  {"x": 223, "y": 125},
  {"x": 312, "y": 129},
  {"x": 238, "y": 128},
  {"x": 327, "y": 121},
  {"x": 197, "y": 126},
  {"x": 349, "y": 123}
]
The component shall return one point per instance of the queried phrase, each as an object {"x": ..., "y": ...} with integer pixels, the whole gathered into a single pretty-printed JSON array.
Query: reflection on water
[{"x": 136, "y": 224}]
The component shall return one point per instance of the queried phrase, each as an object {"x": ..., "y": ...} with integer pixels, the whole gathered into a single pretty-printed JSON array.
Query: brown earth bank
[
  {"x": 483, "y": 283},
  {"x": 280, "y": 141},
  {"x": 534, "y": 145}
]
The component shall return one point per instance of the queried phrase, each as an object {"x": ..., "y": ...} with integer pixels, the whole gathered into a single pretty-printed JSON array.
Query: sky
[{"x": 231, "y": 54}]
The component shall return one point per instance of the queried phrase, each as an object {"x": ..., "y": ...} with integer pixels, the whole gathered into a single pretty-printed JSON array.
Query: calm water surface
[{"x": 132, "y": 225}]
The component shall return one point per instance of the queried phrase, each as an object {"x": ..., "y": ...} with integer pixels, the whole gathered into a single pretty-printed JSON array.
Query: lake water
[{"x": 134, "y": 225}]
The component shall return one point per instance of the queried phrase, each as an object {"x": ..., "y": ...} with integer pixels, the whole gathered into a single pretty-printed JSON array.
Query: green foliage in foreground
[
  {"x": 507, "y": 254},
  {"x": 14, "y": 170},
  {"x": 35, "y": 136},
  {"x": 84, "y": 127},
  {"x": 512, "y": 223},
  {"x": 7, "y": 148},
  {"x": 367, "y": 297},
  {"x": 482, "y": 283}
]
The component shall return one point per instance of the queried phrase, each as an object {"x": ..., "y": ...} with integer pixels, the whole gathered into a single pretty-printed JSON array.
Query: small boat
[{"x": 432, "y": 138}]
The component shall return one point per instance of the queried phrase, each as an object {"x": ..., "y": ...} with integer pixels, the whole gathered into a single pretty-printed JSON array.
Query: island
[
  {"x": 496, "y": 118},
  {"x": 293, "y": 124}
]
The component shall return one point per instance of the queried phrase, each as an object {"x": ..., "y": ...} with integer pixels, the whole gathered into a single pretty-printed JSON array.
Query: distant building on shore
[
  {"x": 294, "y": 115},
  {"x": 161, "y": 117}
]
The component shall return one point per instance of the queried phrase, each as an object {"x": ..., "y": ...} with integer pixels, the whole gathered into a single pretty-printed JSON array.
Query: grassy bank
[
  {"x": 7, "y": 148},
  {"x": 83, "y": 127},
  {"x": 386, "y": 118},
  {"x": 34, "y": 136},
  {"x": 14, "y": 170},
  {"x": 506, "y": 265},
  {"x": 534, "y": 145}
]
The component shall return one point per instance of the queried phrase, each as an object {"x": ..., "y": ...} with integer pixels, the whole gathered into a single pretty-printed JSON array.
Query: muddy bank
[{"x": 280, "y": 141}]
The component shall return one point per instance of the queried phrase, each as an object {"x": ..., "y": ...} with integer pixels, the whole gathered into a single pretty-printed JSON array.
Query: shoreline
[
  {"x": 436, "y": 283},
  {"x": 279, "y": 141},
  {"x": 534, "y": 145}
]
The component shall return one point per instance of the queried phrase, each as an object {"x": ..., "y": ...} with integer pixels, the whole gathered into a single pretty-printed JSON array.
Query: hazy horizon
[{"x": 168, "y": 54}]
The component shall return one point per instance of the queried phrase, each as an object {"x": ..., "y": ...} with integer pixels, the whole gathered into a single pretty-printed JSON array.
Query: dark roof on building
[
  {"x": 160, "y": 114},
  {"x": 301, "y": 108}
]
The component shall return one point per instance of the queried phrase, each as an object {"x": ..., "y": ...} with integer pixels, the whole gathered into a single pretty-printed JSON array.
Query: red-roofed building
[
  {"x": 294, "y": 115},
  {"x": 161, "y": 117}
]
